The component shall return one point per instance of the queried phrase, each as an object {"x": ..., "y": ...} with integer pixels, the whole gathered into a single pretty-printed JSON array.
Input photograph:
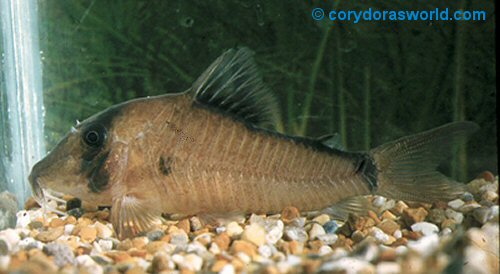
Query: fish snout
[{"x": 35, "y": 183}]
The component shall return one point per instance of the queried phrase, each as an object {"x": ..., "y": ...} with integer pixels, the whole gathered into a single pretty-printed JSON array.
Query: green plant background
[{"x": 370, "y": 82}]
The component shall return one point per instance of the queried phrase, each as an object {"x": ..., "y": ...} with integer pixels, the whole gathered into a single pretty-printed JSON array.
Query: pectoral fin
[
  {"x": 358, "y": 205},
  {"x": 131, "y": 215}
]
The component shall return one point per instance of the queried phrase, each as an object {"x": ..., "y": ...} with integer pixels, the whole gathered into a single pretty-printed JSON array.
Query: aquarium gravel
[{"x": 395, "y": 237}]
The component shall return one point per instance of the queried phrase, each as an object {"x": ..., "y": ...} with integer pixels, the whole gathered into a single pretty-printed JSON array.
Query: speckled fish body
[{"x": 212, "y": 149}]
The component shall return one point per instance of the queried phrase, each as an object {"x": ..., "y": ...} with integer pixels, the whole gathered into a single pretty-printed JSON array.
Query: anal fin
[{"x": 131, "y": 215}]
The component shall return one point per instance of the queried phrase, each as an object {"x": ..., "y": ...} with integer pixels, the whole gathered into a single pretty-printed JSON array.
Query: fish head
[{"x": 79, "y": 165}]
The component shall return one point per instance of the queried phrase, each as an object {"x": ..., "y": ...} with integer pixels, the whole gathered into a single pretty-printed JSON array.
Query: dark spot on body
[
  {"x": 366, "y": 167},
  {"x": 166, "y": 165},
  {"x": 73, "y": 203},
  {"x": 99, "y": 177}
]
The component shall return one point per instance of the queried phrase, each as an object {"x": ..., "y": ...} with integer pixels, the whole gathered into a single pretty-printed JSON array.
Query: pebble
[
  {"x": 103, "y": 231},
  {"x": 296, "y": 234},
  {"x": 288, "y": 214},
  {"x": 379, "y": 235},
  {"x": 328, "y": 239},
  {"x": 62, "y": 253},
  {"x": 155, "y": 235},
  {"x": 275, "y": 232},
  {"x": 456, "y": 204},
  {"x": 458, "y": 217},
  {"x": 425, "y": 246},
  {"x": 322, "y": 219},
  {"x": 414, "y": 215},
  {"x": 195, "y": 223},
  {"x": 179, "y": 238},
  {"x": 222, "y": 240},
  {"x": 482, "y": 214},
  {"x": 50, "y": 235},
  {"x": 160, "y": 246},
  {"x": 234, "y": 230},
  {"x": 425, "y": 227},
  {"x": 388, "y": 226},
  {"x": 106, "y": 245},
  {"x": 87, "y": 234},
  {"x": 379, "y": 201},
  {"x": 316, "y": 230},
  {"x": 330, "y": 227},
  {"x": 255, "y": 234},
  {"x": 490, "y": 196},
  {"x": 348, "y": 265}
]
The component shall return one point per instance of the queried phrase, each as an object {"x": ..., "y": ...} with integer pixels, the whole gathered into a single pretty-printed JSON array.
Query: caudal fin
[{"x": 407, "y": 167}]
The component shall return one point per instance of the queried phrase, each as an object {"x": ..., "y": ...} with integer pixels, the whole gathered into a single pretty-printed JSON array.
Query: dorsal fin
[
  {"x": 332, "y": 141},
  {"x": 233, "y": 86}
]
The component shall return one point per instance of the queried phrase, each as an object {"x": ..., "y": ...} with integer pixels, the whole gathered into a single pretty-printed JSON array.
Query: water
[{"x": 21, "y": 138}]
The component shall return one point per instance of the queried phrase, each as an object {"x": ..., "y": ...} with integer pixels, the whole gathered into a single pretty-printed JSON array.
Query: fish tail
[{"x": 406, "y": 168}]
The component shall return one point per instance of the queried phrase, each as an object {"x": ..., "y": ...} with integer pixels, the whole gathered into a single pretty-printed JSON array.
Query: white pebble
[
  {"x": 296, "y": 234},
  {"x": 265, "y": 251},
  {"x": 328, "y": 239},
  {"x": 28, "y": 243},
  {"x": 68, "y": 229},
  {"x": 348, "y": 265},
  {"x": 379, "y": 201},
  {"x": 89, "y": 264},
  {"x": 379, "y": 235},
  {"x": 324, "y": 250},
  {"x": 316, "y": 230},
  {"x": 10, "y": 236},
  {"x": 425, "y": 227},
  {"x": 275, "y": 233},
  {"x": 214, "y": 249},
  {"x": 227, "y": 269},
  {"x": 456, "y": 204},
  {"x": 106, "y": 245},
  {"x": 425, "y": 245},
  {"x": 103, "y": 231},
  {"x": 388, "y": 268},
  {"x": 220, "y": 229},
  {"x": 191, "y": 261},
  {"x": 397, "y": 234},
  {"x": 4, "y": 263},
  {"x": 234, "y": 229}
]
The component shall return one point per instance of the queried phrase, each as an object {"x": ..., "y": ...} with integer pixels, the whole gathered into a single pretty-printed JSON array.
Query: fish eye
[{"x": 94, "y": 136}]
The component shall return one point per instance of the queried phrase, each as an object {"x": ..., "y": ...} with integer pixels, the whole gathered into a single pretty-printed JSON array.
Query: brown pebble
[
  {"x": 119, "y": 256},
  {"x": 450, "y": 223},
  {"x": 311, "y": 266},
  {"x": 71, "y": 220},
  {"x": 245, "y": 247},
  {"x": 103, "y": 215},
  {"x": 125, "y": 245},
  {"x": 412, "y": 235},
  {"x": 184, "y": 225},
  {"x": 414, "y": 215},
  {"x": 35, "y": 225},
  {"x": 356, "y": 222},
  {"x": 222, "y": 240},
  {"x": 134, "y": 252},
  {"x": 155, "y": 246},
  {"x": 218, "y": 265},
  {"x": 388, "y": 226},
  {"x": 400, "y": 241},
  {"x": 296, "y": 247},
  {"x": 289, "y": 213},
  {"x": 50, "y": 235},
  {"x": 388, "y": 254},
  {"x": 357, "y": 236},
  {"x": 159, "y": 263},
  {"x": 373, "y": 216},
  {"x": 315, "y": 245},
  {"x": 140, "y": 242},
  {"x": 31, "y": 203},
  {"x": 87, "y": 234},
  {"x": 135, "y": 270},
  {"x": 487, "y": 176},
  {"x": 388, "y": 215},
  {"x": 57, "y": 222},
  {"x": 399, "y": 207}
]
